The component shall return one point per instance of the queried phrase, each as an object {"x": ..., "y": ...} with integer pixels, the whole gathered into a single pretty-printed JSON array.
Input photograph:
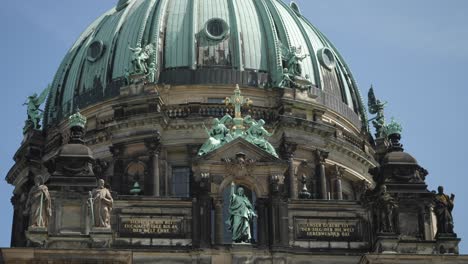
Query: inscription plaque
[
  {"x": 156, "y": 227},
  {"x": 321, "y": 229}
]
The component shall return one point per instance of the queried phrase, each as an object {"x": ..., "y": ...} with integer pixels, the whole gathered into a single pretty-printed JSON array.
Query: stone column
[
  {"x": 219, "y": 225},
  {"x": 116, "y": 167},
  {"x": 321, "y": 156},
  {"x": 153, "y": 144},
  {"x": 338, "y": 186},
  {"x": 263, "y": 219},
  {"x": 287, "y": 151}
]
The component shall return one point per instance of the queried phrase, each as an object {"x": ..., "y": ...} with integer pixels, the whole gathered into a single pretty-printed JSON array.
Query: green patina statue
[
  {"x": 140, "y": 58},
  {"x": 256, "y": 135},
  {"x": 241, "y": 215},
  {"x": 34, "y": 113},
  {"x": 377, "y": 107},
  {"x": 220, "y": 134},
  {"x": 292, "y": 71}
]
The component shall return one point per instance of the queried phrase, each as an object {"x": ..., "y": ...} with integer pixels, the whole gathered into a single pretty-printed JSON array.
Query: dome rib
[
  {"x": 312, "y": 53},
  {"x": 250, "y": 55}
]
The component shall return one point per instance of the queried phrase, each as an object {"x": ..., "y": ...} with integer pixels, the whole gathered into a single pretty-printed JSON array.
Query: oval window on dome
[
  {"x": 216, "y": 28},
  {"x": 327, "y": 58},
  {"x": 95, "y": 50}
]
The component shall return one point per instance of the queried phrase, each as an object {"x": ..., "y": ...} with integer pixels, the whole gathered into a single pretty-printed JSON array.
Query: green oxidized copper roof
[{"x": 253, "y": 32}]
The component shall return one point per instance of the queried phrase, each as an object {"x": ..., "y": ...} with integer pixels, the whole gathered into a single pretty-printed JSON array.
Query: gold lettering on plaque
[
  {"x": 337, "y": 230},
  {"x": 152, "y": 226}
]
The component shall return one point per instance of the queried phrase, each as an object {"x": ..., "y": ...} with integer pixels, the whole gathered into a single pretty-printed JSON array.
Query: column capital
[
  {"x": 321, "y": 155},
  {"x": 287, "y": 148},
  {"x": 153, "y": 143},
  {"x": 338, "y": 172}
]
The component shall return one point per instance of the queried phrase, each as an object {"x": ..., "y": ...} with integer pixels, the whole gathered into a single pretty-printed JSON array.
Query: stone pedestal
[
  {"x": 447, "y": 244},
  {"x": 37, "y": 236},
  {"x": 386, "y": 243},
  {"x": 101, "y": 237}
]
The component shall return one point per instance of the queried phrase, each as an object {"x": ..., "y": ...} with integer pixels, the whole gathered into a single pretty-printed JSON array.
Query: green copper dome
[{"x": 213, "y": 42}]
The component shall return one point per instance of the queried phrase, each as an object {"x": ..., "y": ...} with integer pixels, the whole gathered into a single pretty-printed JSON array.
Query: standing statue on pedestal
[
  {"x": 101, "y": 203},
  {"x": 34, "y": 113},
  {"x": 241, "y": 215},
  {"x": 38, "y": 205},
  {"x": 443, "y": 206},
  {"x": 385, "y": 206}
]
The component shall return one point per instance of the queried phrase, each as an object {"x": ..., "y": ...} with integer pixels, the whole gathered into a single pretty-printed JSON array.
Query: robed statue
[
  {"x": 443, "y": 206},
  {"x": 34, "y": 113},
  {"x": 241, "y": 215},
  {"x": 256, "y": 135},
  {"x": 386, "y": 206},
  {"x": 219, "y": 135},
  {"x": 101, "y": 205},
  {"x": 38, "y": 205}
]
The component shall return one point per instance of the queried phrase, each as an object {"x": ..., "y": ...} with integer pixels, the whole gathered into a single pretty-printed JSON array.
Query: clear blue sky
[{"x": 414, "y": 52}]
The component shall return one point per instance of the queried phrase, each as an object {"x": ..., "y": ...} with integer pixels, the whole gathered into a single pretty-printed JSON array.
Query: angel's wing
[
  {"x": 42, "y": 97},
  {"x": 285, "y": 53},
  {"x": 149, "y": 49},
  {"x": 372, "y": 101},
  {"x": 226, "y": 119}
]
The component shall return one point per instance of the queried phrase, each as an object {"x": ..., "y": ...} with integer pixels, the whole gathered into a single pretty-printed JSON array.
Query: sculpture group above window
[{"x": 220, "y": 134}]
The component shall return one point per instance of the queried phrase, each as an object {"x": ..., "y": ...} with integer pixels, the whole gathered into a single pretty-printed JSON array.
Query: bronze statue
[
  {"x": 443, "y": 206},
  {"x": 140, "y": 58},
  {"x": 38, "y": 205},
  {"x": 241, "y": 215},
  {"x": 34, "y": 113},
  {"x": 256, "y": 135},
  {"x": 377, "y": 107},
  {"x": 218, "y": 135},
  {"x": 102, "y": 203}
]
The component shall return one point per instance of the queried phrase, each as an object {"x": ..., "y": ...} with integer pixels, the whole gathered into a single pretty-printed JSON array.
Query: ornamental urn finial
[
  {"x": 393, "y": 131},
  {"x": 77, "y": 123},
  {"x": 77, "y": 120}
]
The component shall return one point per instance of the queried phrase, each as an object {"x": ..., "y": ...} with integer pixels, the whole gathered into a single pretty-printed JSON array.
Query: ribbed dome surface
[{"x": 215, "y": 42}]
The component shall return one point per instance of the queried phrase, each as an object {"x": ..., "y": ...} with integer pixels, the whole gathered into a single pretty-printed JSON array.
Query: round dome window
[
  {"x": 95, "y": 50},
  {"x": 216, "y": 28},
  {"x": 327, "y": 58}
]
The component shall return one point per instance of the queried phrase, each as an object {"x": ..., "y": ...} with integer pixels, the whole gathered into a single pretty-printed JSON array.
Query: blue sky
[{"x": 415, "y": 53}]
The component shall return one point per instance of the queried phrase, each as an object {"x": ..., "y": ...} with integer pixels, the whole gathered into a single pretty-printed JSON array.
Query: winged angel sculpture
[
  {"x": 34, "y": 113},
  {"x": 292, "y": 71},
  {"x": 376, "y": 107},
  {"x": 140, "y": 58}
]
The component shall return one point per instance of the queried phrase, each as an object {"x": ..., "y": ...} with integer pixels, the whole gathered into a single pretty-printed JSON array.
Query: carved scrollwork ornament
[{"x": 239, "y": 166}]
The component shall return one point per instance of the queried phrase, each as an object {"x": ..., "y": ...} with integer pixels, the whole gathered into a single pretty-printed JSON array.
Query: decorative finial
[
  {"x": 393, "y": 128},
  {"x": 77, "y": 120},
  {"x": 136, "y": 190},
  {"x": 393, "y": 132}
]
